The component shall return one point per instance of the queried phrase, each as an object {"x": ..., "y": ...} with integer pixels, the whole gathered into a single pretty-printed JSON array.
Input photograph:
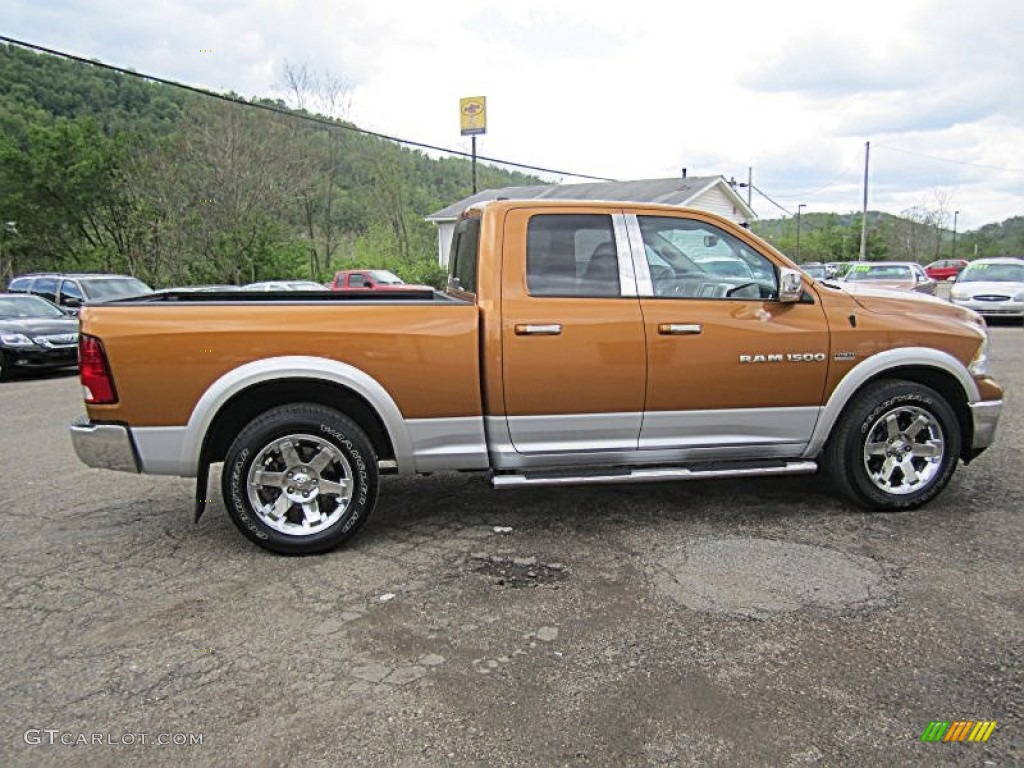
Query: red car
[
  {"x": 371, "y": 280},
  {"x": 945, "y": 269}
]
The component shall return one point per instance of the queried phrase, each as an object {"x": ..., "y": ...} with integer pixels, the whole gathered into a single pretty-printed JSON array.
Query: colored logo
[
  {"x": 473, "y": 115},
  {"x": 958, "y": 730}
]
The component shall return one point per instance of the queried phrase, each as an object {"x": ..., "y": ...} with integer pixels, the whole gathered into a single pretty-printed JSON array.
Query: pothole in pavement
[
  {"x": 757, "y": 578},
  {"x": 516, "y": 572}
]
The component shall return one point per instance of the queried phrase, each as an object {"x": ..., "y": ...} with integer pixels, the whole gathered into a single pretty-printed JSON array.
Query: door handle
[
  {"x": 527, "y": 329},
  {"x": 679, "y": 329}
]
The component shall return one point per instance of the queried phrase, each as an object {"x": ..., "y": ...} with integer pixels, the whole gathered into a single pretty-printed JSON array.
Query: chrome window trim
[
  {"x": 644, "y": 284},
  {"x": 627, "y": 272}
]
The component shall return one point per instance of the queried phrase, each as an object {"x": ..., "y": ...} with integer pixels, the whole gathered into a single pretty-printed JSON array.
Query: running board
[{"x": 652, "y": 475}]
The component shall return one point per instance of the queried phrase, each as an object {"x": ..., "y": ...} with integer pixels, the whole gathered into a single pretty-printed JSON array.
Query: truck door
[
  {"x": 574, "y": 357},
  {"x": 730, "y": 369}
]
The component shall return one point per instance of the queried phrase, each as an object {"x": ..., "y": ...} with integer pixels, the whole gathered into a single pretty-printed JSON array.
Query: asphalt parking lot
[{"x": 715, "y": 623}]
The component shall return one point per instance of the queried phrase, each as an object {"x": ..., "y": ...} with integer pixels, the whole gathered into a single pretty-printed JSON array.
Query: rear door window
[
  {"x": 572, "y": 255},
  {"x": 45, "y": 287}
]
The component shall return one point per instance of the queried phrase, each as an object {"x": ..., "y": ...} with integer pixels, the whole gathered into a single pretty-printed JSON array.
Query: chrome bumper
[
  {"x": 986, "y": 417},
  {"x": 104, "y": 446}
]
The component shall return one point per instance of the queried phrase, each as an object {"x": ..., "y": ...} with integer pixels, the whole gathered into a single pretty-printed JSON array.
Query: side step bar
[{"x": 652, "y": 475}]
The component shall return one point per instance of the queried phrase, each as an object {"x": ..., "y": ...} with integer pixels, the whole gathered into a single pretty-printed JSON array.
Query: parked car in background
[
  {"x": 371, "y": 280},
  {"x": 991, "y": 287},
  {"x": 202, "y": 288},
  {"x": 815, "y": 270},
  {"x": 837, "y": 269},
  {"x": 945, "y": 269},
  {"x": 35, "y": 334},
  {"x": 895, "y": 275},
  {"x": 284, "y": 285},
  {"x": 71, "y": 290}
]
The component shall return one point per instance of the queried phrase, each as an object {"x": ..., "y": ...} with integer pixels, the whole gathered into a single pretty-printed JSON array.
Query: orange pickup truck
[{"x": 576, "y": 343}]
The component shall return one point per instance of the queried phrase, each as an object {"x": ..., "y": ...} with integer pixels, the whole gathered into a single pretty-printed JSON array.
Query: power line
[
  {"x": 947, "y": 160},
  {"x": 296, "y": 115},
  {"x": 766, "y": 197}
]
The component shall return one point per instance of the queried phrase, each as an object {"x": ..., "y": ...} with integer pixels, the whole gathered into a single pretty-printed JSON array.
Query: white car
[
  {"x": 285, "y": 285},
  {"x": 991, "y": 287}
]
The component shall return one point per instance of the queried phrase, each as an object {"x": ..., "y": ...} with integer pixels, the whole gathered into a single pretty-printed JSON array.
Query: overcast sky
[{"x": 630, "y": 90}]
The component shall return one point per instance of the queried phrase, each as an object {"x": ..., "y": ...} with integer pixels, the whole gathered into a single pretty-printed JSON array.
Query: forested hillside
[
  {"x": 918, "y": 235},
  {"x": 100, "y": 170}
]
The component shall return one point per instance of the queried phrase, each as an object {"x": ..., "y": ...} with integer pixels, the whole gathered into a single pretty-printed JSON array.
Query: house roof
[{"x": 673, "y": 191}]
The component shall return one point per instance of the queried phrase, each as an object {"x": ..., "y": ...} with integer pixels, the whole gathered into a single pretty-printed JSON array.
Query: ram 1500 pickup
[{"x": 576, "y": 343}]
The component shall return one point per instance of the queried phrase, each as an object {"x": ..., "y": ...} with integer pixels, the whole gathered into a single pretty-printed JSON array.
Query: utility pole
[
  {"x": 799, "y": 210},
  {"x": 864, "y": 212},
  {"x": 955, "y": 215},
  {"x": 750, "y": 184}
]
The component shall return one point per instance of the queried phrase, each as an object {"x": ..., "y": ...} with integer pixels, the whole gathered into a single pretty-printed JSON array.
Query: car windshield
[
  {"x": 113, "y": 287},
  {"x": 388, "y": 278},
  {"x": 993, "y": 273},
  {"x": 23, "y": 307},
  {"x": 817, "y": 271},
  {"x": 879, "y": 272},
  {"x": 303, "y": 285}
]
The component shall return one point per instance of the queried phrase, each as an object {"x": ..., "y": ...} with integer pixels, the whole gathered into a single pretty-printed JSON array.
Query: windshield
[
  {"x": 388, "y": 278},
  {"x": 879, "y": 272},
  {"x": 19, "y": 307},
  {"x": 817, "y": 271},
  {"x": 993, "y": 273},
  {"x": 114, "y": 287}
]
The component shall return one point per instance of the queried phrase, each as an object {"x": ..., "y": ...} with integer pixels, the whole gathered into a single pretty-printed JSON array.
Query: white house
[{"x": 708, "y": 193}]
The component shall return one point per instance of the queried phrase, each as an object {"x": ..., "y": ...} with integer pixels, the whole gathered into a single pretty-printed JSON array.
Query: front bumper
[
  {"x": 986, "y": 417},
  {"x": 38, "y": 358},
  {"x": 104, "y": 446},
  {"x": 1008, "y": 308}
]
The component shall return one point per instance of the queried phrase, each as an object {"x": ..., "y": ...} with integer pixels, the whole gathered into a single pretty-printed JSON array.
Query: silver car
[{"x": 991, "y": 287}]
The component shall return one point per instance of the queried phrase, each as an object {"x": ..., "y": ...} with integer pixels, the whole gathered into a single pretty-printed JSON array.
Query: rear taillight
[{"x": 97, "y": 383}]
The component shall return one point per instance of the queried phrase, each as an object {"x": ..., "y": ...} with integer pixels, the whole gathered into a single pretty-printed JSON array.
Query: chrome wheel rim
[
  {"x": 300, "y": 485},
  {"x": 903, "y": 450}
]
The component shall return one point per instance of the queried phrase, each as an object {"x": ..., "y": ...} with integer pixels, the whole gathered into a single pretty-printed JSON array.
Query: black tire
[
  {"x": 881, "y": 452},
  {"x": 5, "y": 368},
  {"x": 323, "y": 448}
]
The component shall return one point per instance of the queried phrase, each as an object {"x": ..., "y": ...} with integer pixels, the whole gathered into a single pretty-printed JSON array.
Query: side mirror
[
  {"x": 71, "y": 301},
  {"x": 791, "y": 285}
]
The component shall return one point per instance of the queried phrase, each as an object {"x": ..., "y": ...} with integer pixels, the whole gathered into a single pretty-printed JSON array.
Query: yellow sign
[{"x": 473, "y": 115}]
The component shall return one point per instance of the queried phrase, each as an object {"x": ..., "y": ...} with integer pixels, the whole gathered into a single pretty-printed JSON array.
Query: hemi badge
[{"x": 845, "y": 356}]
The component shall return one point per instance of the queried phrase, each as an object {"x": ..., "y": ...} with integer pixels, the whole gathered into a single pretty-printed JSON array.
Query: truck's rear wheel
[
  {"x": 896, "y": 446},
  {"x": 300, "y": 479}
]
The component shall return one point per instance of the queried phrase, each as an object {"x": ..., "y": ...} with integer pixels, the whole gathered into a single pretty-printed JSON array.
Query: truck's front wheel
[
  {"x": 895, "y": 447},
  {"x": 300, "y": 479}
]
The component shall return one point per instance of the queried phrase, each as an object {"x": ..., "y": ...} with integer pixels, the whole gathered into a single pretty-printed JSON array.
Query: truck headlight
[
  {"x": 979, "y": 365},
  {"x": 16, "y": 340}
]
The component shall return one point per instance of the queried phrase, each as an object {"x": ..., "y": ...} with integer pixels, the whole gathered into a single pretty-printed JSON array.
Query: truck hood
[{"x": 886, "y": 302}]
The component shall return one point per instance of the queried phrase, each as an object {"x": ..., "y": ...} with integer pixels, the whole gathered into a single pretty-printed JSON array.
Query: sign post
[{"x": 473, "y": 122}]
